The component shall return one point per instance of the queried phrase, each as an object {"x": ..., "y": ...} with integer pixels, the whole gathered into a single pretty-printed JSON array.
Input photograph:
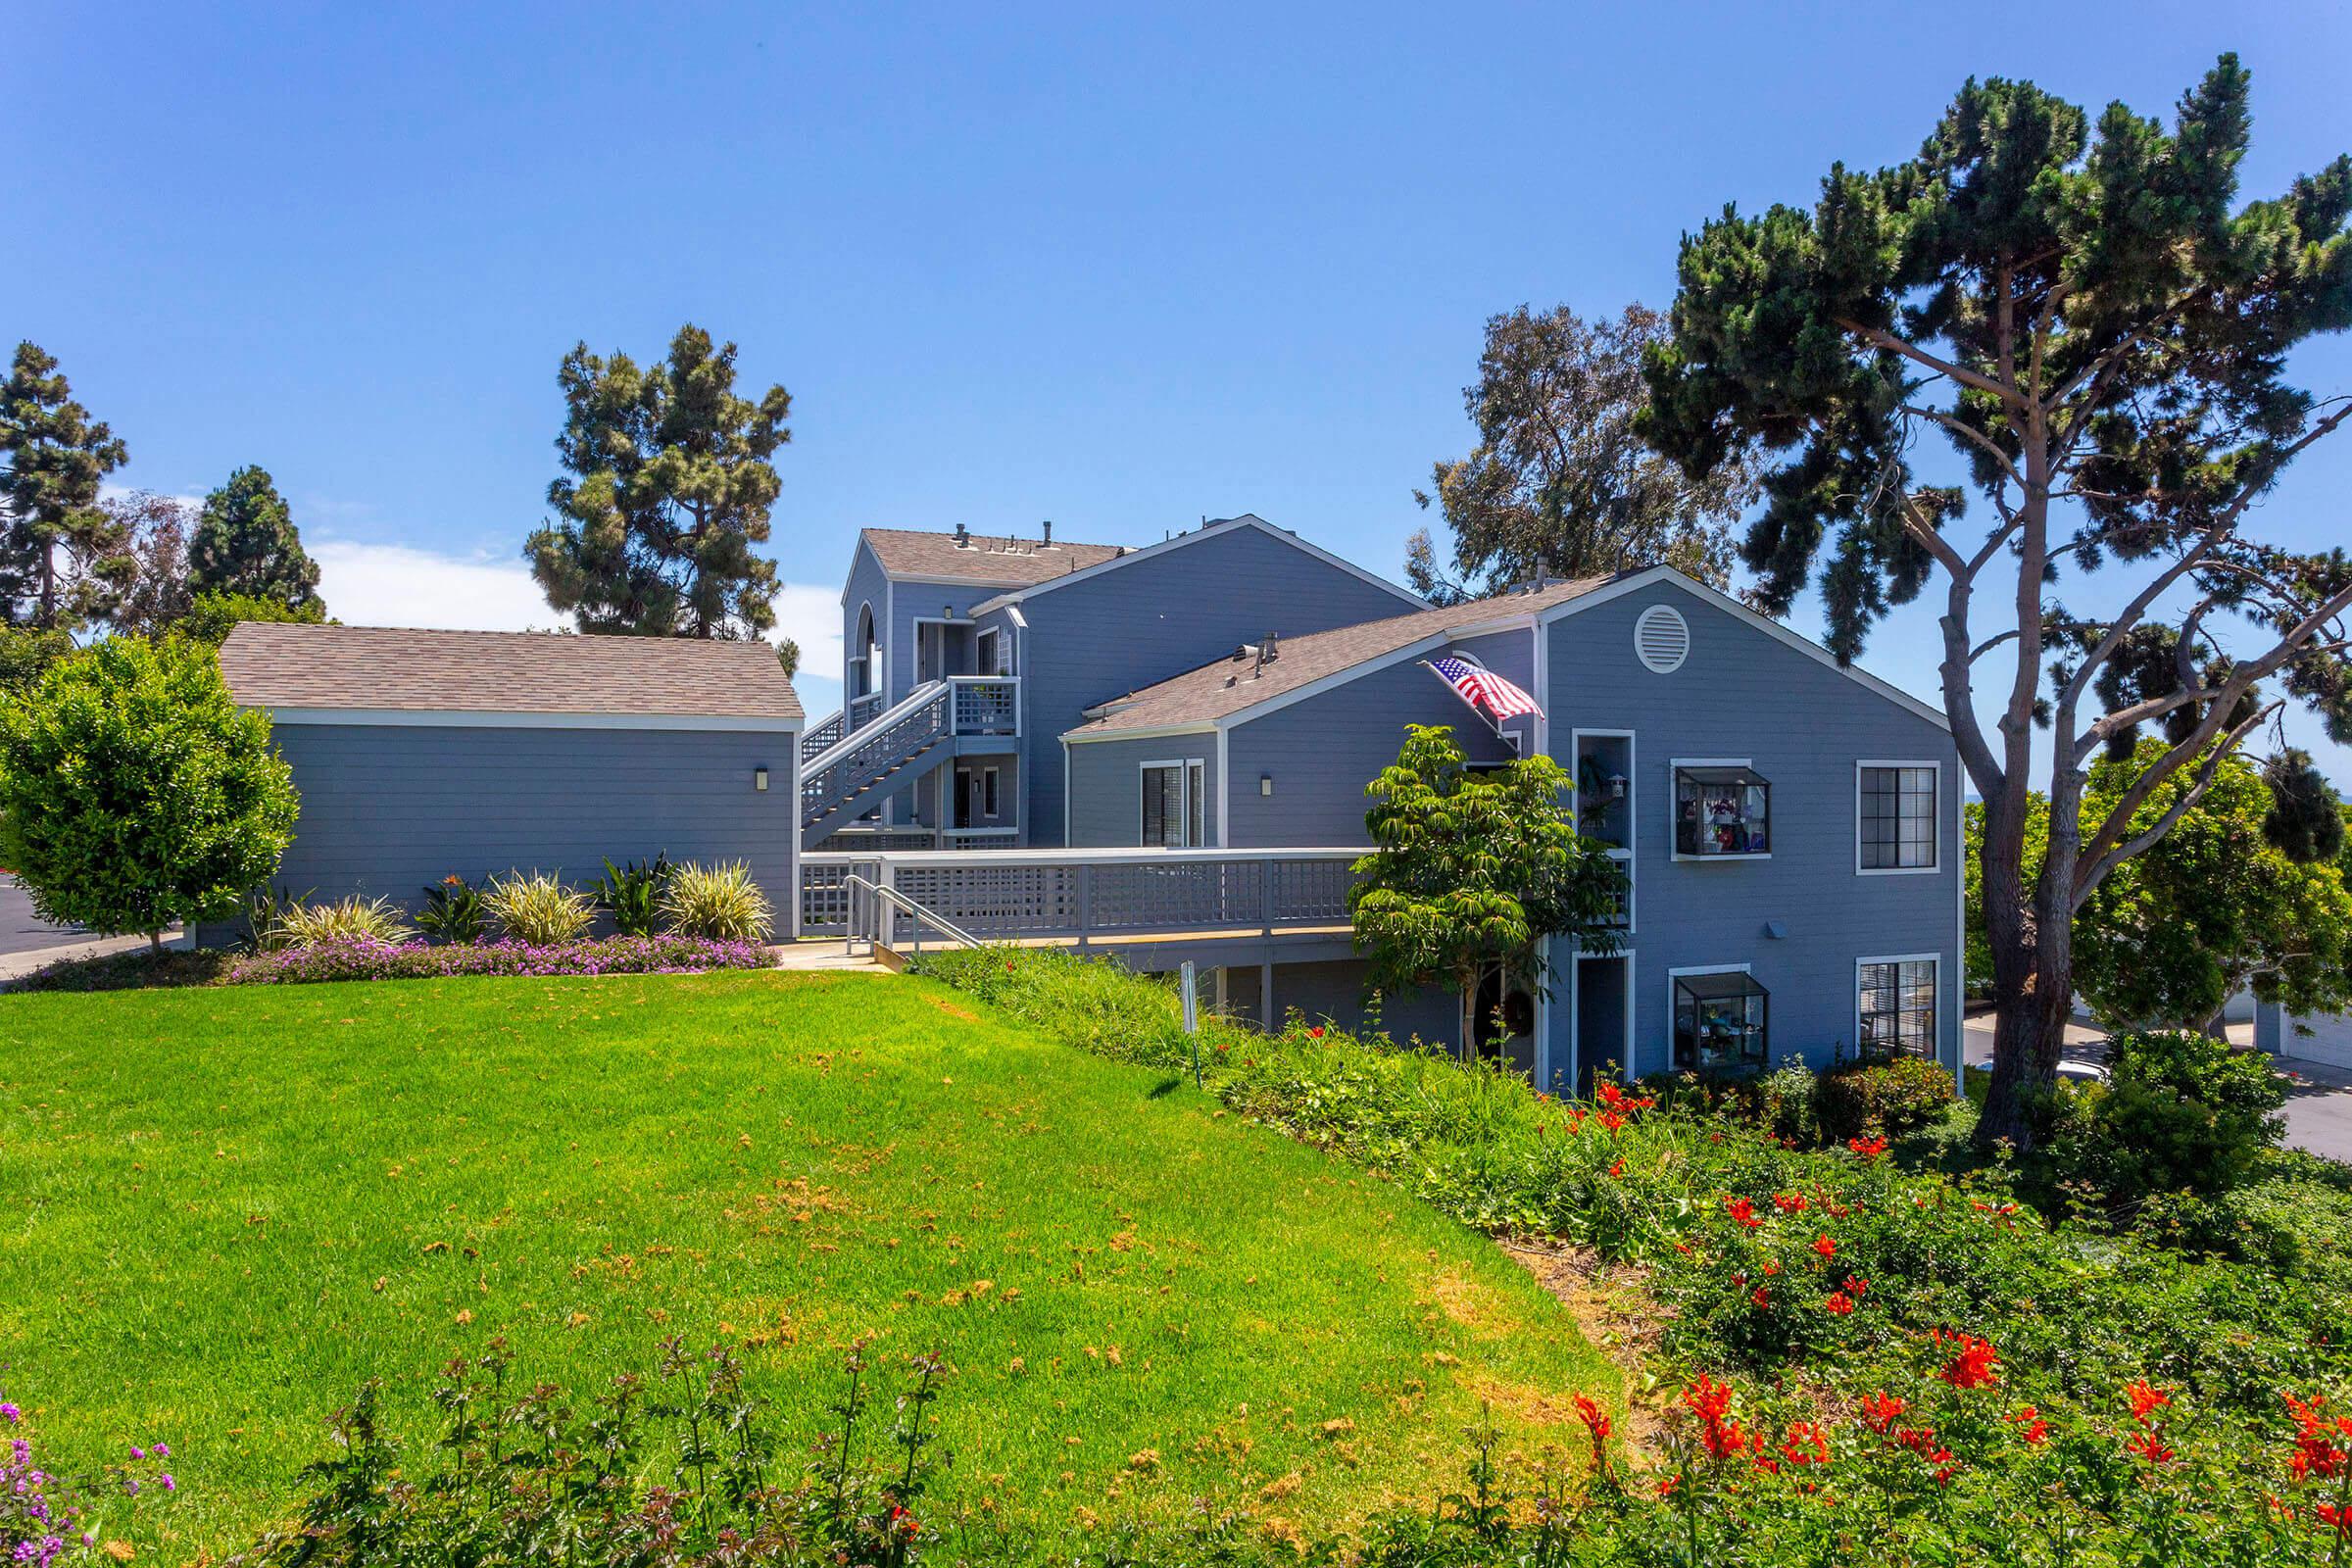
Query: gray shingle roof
[
  {"x": 992, "y": 559},
  {"x": 1229, "y": 685},
  {"x": 270, "y": 665}
]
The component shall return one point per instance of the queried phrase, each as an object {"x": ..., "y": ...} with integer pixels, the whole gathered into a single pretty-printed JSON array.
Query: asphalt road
[
  {"x": 21, "y": 932},
  {"x": 2319, "y": 1108}
]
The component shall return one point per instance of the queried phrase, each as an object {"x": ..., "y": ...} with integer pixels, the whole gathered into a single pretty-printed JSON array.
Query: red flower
[
  {"x": 1611, "y": 1120},
  {"x": 2144, "y": 1399},
  {"x": 1708, "y": 1399},
  {"x": 1596, "y": 1422},
  {"x": 1855, "y": 1286},
  {"x": 2317, "y": 1450},
  {"x": 1972, "y": 1364},
  {"x": 2031, "y": 1426},
  {"x": 1826, "y": 1247},
  {"x": 1880, "y": 1410},
  {"x": 1840, "y": 1304},
  {"x": 1667, "y": 1486},
  {"x": 1762, "y": 1298},
  {"x": 2150, "y": 1447},
  {"x": 1316, "y": 1033},
  {"x": 1772, "y": 1266},
  {"x": 1805, "y": 1444},
  {"x": 1788, "y": 1203},
  {"x": 1867, "y": 1147},
  {"x": 1740, "y": 1209},
  {"x": 1617, "y": 1169}
]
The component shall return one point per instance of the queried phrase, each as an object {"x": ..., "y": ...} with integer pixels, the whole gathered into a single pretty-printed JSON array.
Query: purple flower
[
  {"x": 168, "y": 1484},
  {"x": 163, "y": 1451},
  {"x": 9, "y": 1414}
]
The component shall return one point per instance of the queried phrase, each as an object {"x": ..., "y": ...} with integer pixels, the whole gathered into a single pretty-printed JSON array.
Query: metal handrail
[{"x": 892, "y": 897}]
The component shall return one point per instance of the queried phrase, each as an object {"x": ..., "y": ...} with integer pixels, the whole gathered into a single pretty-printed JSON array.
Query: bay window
[
  {"x": 1722, "y": 811},
  {"x": 1721, "y": 1021}
]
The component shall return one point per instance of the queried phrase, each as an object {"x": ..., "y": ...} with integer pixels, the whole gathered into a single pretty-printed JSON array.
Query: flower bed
[
  {"x": 368, "y": 959},
  {"x": 1917, "y": 1361}
]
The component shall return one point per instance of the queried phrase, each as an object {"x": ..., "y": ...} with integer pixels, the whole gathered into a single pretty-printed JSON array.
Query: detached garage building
[{"x": 423, "y": 754}]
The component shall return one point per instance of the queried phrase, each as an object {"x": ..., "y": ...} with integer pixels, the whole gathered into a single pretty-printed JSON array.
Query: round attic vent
[{"x": 1661, "y": 639}]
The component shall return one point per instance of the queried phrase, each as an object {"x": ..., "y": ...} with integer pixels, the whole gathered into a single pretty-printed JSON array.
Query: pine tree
[
  {"x": 669, "y": 490},
  {"x": 246, "y": 543},
  {"x": 63, "y": 558},
  {"x": 2099, "y": 330}
]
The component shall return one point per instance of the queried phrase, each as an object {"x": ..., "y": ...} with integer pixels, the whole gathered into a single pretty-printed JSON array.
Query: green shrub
[
  {"x": 1781, "y": 1103},
  {"x": 538, "y": 909},
  {"x": 135, "y": 795},
  {"x": 720, "y": 902},
  {"x": 633, "y": 895},
  {"x": 451, "y": 911},
  {"x": 2179, "y": 1111},
  {"x": 1892, "y": 1098},
  {"x": 375, "y": 918}
]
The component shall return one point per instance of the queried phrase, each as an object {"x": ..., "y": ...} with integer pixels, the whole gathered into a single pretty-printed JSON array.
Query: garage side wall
[{"x": 388, "y": 810}]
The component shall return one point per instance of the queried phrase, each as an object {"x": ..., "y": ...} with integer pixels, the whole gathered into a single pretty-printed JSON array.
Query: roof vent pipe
[
  {"x": 963, "y": 536},
  {"x": 1049, "y": 530}
]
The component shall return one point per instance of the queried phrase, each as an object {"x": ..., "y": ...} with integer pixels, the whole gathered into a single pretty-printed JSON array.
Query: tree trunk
[
  {"x": 2032, "y": 971},
  {"x": 154, "y": 943}
]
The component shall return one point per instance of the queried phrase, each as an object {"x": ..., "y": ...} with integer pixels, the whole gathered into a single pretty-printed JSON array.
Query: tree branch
[
  {"x": 2086, "y": 881},
  {"x": 1878, "y": 338}
]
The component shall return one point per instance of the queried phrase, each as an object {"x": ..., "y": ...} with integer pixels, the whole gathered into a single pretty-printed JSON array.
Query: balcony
[{"x": 1094, "y": 899}]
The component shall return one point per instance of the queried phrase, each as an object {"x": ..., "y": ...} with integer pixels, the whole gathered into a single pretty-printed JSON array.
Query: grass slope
[{"x": 223, "y": 1209}]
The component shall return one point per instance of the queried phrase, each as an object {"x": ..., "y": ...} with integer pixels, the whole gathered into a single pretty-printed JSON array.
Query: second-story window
[
  {"x": 1174, "y": 803},
  {"x": 1897, "y": 806},
  {"x": 1721, "y": 810},
  {"x": 990, "y": 656}
]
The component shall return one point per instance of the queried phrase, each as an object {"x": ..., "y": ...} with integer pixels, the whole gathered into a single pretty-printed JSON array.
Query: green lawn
[{"x": 224, "y": 1209}]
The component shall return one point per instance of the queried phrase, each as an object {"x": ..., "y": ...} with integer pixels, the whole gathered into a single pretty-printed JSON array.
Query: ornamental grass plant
[
  {"x": 720, "y": 902},
  {"x": 537, "y": 909}
]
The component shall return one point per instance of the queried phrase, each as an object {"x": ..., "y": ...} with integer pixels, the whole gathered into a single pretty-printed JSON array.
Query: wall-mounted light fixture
[
  {"x": 760, "y": 779},
  {"x": 1266, "y": 783}
]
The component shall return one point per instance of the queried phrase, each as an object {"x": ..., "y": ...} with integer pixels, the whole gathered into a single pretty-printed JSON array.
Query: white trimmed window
[
  {"x": 1175, "y": 795},
  {"x": 1896, "y": 825},
  {"x": 1894, "y": 1007}
]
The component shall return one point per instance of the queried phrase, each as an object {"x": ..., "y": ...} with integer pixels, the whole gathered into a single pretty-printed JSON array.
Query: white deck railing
[{"x": 1085, "y": 897}]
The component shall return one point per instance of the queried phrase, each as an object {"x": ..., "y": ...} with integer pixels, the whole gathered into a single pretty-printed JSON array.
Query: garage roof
[{"x": 386, "y": 668}]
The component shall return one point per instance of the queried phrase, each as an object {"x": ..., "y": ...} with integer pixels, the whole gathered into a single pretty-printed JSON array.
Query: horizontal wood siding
[
  {"x": 1322, "y": 751},
  {"x": 1141, "y": 622},
  {"x": 388, "y": 810},
  {"x": 1742, "y": 694},
  {"x": 1106, "y": 800}
]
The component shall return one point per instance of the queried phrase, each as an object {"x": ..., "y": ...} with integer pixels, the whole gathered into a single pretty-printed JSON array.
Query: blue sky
[{"x": 1113, "y": 267}]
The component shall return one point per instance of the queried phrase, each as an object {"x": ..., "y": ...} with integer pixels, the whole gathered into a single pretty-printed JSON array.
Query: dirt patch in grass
[
  {"x": 961, "y": 1014},
  {"x": 1612, "y": 1306}
]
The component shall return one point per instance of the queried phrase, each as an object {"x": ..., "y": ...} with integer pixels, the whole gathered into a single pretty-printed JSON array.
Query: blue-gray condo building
[{"x": 1162, "y": 751}]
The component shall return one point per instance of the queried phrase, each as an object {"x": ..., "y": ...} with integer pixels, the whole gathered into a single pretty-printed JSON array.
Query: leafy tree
[
  {"x": 2214, "y": 907},
  {"x": 1559, "y": 482},
  {"x": 134, "y": 794},
  {"x": 212, "y": 616},
  {"x": 2306, "y": 819},
  {"x": 63, "y": 558},
  {"x": 25, "y": 655},
  {"x": 246, "y": 544},
  {"x": 788, "y": 654},
  {"x": 157, "y": 594},
  {"x": 669, "y": 489},
  {"x": 2100, "y": 332},
  {"x": 1470, "y": 870}
]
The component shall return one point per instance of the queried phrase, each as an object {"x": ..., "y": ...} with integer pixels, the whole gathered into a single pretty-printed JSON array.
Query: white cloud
[{"x": 400, "y": 585}]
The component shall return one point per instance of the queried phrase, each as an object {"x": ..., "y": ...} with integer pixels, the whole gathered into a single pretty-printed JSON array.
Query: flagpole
[{"x": 1501, "y": 734}]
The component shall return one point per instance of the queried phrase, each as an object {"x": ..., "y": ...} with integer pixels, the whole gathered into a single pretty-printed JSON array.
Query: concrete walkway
[{"x": 830, "y": 957}]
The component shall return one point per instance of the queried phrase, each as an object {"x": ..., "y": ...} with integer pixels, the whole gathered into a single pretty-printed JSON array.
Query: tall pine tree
[
  {"x": 63, "y": 558},
  {"x": 668, "y": 490},
  {"x": 2099, "y": 330},
  {"x": 246, "y": 543}
]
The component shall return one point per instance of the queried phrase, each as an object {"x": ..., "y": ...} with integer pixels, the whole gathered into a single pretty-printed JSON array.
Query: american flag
[{"x": 1474, "y": 684}]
